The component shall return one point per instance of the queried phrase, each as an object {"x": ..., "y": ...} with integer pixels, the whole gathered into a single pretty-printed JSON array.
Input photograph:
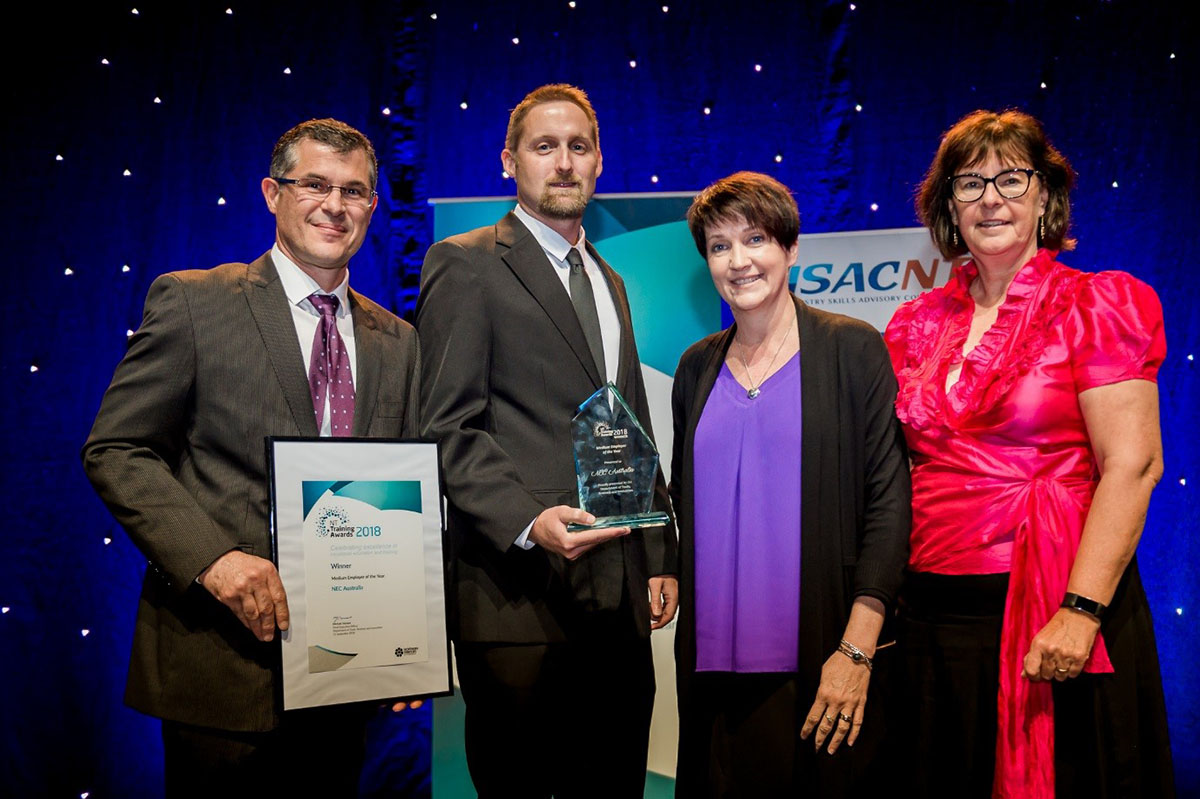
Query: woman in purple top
[{"x": 790, "y": 485}]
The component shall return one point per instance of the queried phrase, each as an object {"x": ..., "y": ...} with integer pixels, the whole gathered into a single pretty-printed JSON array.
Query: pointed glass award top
[{"x": 615, "y": 463}]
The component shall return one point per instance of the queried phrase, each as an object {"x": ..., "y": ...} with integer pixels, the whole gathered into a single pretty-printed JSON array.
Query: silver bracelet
[{"x": 854, "y": 653}]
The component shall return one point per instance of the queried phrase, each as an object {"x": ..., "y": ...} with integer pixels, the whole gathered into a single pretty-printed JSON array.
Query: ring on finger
[
  {"x": 845, "y": 717},
  {"x": 1062, "y": 671},
  {"x": 829, "y": 718}
]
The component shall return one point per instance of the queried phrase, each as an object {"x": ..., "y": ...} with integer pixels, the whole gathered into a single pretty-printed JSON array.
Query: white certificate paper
[
  {"x": 358, "y": 537},
  {"x": 365, "y": 575}
]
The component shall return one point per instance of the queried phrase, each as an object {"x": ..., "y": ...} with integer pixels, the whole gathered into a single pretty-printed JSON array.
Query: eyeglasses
[
  {"x": 1010, "y": 184},
  {"x": 315, "y": 189}
]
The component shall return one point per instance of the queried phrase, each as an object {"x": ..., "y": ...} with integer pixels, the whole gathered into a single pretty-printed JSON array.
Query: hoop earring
[
  {"x": 954, "y": 235},
  {"x": 1041, "y": 229}
]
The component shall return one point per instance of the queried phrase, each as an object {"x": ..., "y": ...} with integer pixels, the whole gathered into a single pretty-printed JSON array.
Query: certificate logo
[{"x": 333, "y": 520}]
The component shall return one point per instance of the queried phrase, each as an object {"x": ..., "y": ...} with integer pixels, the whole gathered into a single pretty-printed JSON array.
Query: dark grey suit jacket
[
  {"x": 177, "y": 454},
  {"x": 505, "y": 366}
]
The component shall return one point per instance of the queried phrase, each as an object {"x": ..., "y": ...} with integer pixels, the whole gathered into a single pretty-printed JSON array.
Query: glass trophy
[{"x": 616, "y": 464}]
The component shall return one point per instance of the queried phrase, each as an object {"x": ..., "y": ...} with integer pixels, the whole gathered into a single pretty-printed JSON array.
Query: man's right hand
[
  {"x": 549, "y": 531},
  {"x": 250, "y": 587}
]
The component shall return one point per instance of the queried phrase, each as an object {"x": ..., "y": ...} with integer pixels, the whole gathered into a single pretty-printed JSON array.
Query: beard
[{"x": 557, "y": 204}]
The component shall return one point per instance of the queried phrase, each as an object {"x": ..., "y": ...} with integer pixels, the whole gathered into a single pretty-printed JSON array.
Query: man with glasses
[{"x": 223, "y": 358}]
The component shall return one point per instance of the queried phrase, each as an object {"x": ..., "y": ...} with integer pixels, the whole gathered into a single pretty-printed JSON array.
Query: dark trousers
[
  {"x": 317, "y": 752},
  {"x": 565, "y": 719}
]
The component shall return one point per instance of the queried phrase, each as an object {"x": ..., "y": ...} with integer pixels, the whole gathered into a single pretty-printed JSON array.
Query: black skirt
[
  {"x": 739, "y": 738},
  {"x": 1110, "y": 730}
]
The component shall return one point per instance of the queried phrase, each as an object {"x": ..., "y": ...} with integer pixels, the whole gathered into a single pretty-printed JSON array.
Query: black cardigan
[{"x": 856, "y": 496}]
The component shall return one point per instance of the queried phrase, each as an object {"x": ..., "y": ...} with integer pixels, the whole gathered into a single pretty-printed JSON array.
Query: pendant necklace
[{"x": 754, "y": 389}]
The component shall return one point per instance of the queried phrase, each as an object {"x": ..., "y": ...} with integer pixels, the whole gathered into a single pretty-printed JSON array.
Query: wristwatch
[{"x": 1083, "y": 604}]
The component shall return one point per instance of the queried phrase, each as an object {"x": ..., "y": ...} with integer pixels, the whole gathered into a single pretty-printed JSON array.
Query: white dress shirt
[{"x": 305, "y": 316}]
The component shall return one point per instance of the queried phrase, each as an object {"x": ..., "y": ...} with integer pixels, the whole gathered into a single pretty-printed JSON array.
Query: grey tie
[{"x": 585, "y": 308}]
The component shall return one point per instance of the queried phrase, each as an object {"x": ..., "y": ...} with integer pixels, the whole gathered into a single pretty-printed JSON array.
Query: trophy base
[{"x": 632, "y": 520}]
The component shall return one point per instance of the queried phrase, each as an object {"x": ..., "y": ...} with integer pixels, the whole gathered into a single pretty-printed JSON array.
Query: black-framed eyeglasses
[
  {"x": 316, "y": 189},
  {"x": 1010, "y": 184}
]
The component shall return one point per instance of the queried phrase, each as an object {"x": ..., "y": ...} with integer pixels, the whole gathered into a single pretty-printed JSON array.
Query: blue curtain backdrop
[{"x": 137, "y": 139}]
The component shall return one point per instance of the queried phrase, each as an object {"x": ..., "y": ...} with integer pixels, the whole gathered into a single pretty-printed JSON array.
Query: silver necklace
[{"x": 754, "y": 389}]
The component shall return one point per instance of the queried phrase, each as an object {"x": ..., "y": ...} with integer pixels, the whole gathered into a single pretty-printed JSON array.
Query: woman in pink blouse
[{"x": 1028, "y": 398}]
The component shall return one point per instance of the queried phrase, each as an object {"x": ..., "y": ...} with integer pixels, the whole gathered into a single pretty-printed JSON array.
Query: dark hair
[
  {"x": 1010, "y": 134},
  {"x": 338, "y": 135},
  {"x": 759, "y": 199},
  {"x": 550, "y": 93}
]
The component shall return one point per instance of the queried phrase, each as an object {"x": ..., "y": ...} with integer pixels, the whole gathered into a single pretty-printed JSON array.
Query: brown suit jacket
[
  {"x": 177, "y": 453},
  {"x": 505, "y": 366}
]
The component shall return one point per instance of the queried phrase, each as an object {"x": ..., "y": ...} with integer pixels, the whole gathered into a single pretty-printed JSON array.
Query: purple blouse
[{"x": 747, "y": 529}]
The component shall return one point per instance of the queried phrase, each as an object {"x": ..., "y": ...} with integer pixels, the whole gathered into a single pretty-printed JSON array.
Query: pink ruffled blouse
[{"x": 1002, "y": 467}]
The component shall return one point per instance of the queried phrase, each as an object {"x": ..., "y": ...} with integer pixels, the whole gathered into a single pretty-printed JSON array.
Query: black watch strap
[{"x": 1082, "y": 603}]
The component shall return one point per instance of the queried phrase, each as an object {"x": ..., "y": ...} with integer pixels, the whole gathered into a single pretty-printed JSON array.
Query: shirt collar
[
  {"x": 550, "y": 239},
  {"x": 297, "y": 285}
]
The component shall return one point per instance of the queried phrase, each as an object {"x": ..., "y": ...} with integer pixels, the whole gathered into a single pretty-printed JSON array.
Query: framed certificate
[{"x": 356, "y": 533}]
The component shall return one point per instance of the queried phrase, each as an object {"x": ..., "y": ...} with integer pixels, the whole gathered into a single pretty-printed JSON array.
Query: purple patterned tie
[{"x": 329, "y": 368}]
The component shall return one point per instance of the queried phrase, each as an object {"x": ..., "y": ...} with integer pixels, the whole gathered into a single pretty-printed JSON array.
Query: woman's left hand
[
  {"x": 1061, "y": 648},
  {"x": 837, "y": 712}
]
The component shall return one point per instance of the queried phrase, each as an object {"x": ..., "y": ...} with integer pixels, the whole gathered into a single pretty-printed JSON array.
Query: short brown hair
[
  {"x": 338, "y": 135},
  {"x": 550, "y": 93},
  {"x": 1010, "y": 134},
  {"x": 759, "y": 199}
]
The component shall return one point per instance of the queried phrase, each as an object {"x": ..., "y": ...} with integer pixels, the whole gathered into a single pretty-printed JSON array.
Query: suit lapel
[
  {"x": 525, "y": 257},
  {"x": 269, "y": 305},
  {"x": 368, "y": 352}
]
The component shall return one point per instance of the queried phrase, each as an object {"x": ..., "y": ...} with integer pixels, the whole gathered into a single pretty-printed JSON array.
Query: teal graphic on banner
[
  {"x": 671, "y": 295},
  {"x": 646, "y": 240}
]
